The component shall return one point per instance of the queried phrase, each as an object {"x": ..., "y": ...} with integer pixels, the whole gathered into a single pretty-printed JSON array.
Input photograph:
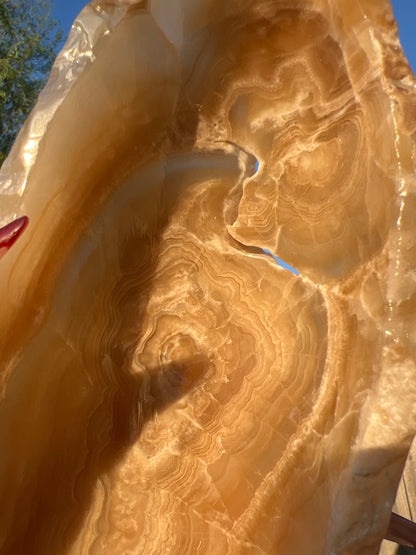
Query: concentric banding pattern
[{"x": 181, "y": 392}]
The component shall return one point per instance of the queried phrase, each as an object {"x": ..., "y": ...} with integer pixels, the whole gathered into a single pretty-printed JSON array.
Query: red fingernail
[{"x": 10, "y": 233}]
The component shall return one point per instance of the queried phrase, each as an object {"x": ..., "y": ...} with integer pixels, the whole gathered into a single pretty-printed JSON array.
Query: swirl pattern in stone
[{"x": 166, "y": 387}]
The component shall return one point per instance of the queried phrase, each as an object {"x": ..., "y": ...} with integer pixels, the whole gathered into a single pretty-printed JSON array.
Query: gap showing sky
[{"x": 65, "y": 11}]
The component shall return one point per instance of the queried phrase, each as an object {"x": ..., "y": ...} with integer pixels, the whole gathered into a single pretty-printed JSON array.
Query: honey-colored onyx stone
[{"x": 166, "y": 387}]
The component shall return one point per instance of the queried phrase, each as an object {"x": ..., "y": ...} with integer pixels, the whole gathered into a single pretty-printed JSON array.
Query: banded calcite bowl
[{"x": 166, "y": 386}]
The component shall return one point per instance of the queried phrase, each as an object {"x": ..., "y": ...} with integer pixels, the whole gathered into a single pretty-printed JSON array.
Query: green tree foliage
[{"x": 28, "y": 41}]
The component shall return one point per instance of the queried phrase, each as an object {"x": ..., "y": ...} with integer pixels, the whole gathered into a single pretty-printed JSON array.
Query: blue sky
[
  {"x": 405, "y": 14},
  {"x": 66, "y": 11}
]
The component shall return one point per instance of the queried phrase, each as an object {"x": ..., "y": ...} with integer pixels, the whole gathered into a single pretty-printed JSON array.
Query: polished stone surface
[{"x": 166, "y": 386}]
